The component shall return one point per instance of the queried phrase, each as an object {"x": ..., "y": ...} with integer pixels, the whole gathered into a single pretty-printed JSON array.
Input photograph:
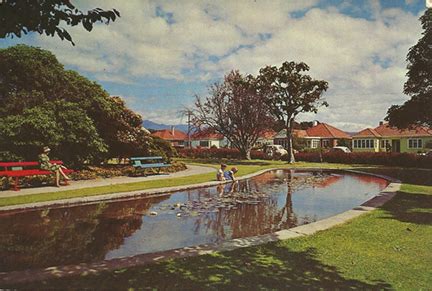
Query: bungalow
[
  {"x": 177, "y": 138},
  {"x": 321, "y": 135},
  {"x": 207, "y": 138},
  {"x": 391, "y": 139},
  {"x": 265, "y": 138}
]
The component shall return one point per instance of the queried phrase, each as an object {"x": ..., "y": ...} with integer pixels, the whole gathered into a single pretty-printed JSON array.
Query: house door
[{"x": 396, "y": 146}]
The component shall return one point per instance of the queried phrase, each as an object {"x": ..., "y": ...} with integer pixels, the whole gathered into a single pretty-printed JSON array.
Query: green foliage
[
  {"x": 64, "y": 126},
  {"x": 418, "y": 109},
  {"x": 162, "y": 148},
  {"x": 44, "y": 17},
  {"x": 47, "y": 105},
  {"x": 299, "y": 144},
  {"x": 291, "y": 91}
]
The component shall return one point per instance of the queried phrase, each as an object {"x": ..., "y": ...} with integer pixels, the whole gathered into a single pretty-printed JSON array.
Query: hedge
[
  {"x": 218, "y": 153},
  {"x": 386, "y": 159}
]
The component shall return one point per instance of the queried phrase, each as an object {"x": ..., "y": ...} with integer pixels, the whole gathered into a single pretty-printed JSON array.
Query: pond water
[{"x": 267, "y": 203}]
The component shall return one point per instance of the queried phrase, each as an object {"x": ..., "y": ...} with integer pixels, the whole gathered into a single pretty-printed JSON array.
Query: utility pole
[{"x": 189, "y": 113}]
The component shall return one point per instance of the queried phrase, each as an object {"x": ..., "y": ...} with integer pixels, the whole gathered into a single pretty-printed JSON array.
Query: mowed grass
[
  {"x": 389, "y": 248},
  {"x": 245, "y": 167}
]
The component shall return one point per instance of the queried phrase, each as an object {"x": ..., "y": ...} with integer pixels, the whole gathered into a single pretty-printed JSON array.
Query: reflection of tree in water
[
  {"x": 245, "y": 219},
  {"x": 67, "y": 235},
  {"x": 87, "y": 233},
  {"x": 267, "y": 215},
  {"x": 285, "y": 216}
]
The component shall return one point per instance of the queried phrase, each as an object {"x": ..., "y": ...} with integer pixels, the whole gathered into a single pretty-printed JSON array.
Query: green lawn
[
  {"x": 245, "y": 167},
  {"x": 389, "y": 248}
]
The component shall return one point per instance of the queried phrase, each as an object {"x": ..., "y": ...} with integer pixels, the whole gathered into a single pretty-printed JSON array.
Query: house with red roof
[
  {"x": 265, "y": 138},
  {"x": 207, "y": 138},
  {"x": 177, "y": 138},
  {"x": 320, "y": 135},
  {"x": 385, "y": 138}
]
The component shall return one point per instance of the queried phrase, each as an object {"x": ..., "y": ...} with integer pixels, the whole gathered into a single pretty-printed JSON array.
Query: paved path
[{"x": 191, "y": 170}]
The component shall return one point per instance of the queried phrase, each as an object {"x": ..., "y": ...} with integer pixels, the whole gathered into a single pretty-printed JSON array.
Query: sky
[{"x": 159, "y": 54}]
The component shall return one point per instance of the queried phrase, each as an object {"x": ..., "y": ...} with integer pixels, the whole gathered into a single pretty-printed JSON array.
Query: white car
[
  {"x": 275, "y": 150},
  {"x": 340, "y": 149}
]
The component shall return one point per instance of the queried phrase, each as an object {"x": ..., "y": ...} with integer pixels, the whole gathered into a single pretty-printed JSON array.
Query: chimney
[
  {"x": 381, "y": 123},
  {"x": 172, "y": 130},
  {"x": 315, "y": 123}
]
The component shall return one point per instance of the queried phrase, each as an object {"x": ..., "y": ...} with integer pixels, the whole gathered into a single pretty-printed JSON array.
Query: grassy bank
[
  {"x": 245, "y": 167},
  {"x": 388, "y": 248}
]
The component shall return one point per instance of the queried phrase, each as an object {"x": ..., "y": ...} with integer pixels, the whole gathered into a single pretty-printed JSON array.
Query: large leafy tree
[
  {"x": 63, "y": 125},
  {"x": 418, "y": 109},
  {"x": 291, "y": 91},
  {"x": 42, "y": 103},
  {"x": 19, "y": 17},
  {"x": 235, "y": 109}
]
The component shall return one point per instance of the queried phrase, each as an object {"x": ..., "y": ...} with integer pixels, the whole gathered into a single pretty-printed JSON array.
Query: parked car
[
  {"x": 275, "y": 150},
  {"x": 340, "y": 149},
  {"x": 427, "y": 154}
]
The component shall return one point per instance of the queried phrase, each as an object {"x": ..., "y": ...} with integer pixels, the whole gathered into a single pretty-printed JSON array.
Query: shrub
[
  {"x": 218, "y": 153},
  {"x": 369, "y": 158}
]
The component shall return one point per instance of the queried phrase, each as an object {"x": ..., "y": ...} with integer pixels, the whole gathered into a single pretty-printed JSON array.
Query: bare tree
[{"x": 236, "y": 110}]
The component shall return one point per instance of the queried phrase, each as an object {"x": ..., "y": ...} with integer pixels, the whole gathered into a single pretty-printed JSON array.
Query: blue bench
[{"x": 143, "y": 163}]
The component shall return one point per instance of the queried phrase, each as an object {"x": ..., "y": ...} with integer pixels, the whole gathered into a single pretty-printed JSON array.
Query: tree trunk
[
  {"x": 289, "y": 129},
  {"x": 246, "y": 154}
]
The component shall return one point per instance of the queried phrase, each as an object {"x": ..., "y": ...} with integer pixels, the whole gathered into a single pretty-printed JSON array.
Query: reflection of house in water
[
  {"x": 366, "y": 179},
  {"x": 326, "y": 181},
  {"x": 72, "y": 235}
]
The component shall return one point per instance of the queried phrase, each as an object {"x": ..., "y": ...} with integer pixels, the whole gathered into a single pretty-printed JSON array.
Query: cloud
[
  {"x": 363, "y": 58},
  {"x": 145, "y": 42}
]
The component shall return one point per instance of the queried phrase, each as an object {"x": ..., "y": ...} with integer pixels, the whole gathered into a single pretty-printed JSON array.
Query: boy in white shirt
[{"x": 220, "y": 173}]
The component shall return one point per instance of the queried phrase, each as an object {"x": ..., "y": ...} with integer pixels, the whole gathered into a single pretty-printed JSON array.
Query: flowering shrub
[
  {"x": 387, "y": 159},
  {"x": 91, "y": 172},
  {"x": 218, "y": 153}
]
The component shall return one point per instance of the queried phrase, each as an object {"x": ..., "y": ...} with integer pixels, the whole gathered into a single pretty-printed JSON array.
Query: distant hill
[{"x": 158, "y": 126}]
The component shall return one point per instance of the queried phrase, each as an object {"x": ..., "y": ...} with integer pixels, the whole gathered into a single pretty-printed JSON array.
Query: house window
[
  {"x": 204, "y": 143},
  {"x": 415, "y": 143},
  {"x": 364, "y": 144},
  {"x": 326, "y": 143},
  {"x": 385, "y": 144},
  {"x": 314, "y": 143}
]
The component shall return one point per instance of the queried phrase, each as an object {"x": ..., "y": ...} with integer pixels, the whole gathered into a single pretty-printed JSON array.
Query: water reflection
[{"x": 272, "y": 201}]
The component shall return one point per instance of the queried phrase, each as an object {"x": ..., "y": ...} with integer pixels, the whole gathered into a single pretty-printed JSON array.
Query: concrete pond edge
[{"x": 26, "y": 276}]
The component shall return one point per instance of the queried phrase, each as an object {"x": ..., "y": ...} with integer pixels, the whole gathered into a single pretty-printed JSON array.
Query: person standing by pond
[
  {"x": 229, "y": 175},
  {"x": 45, "y": 164}
]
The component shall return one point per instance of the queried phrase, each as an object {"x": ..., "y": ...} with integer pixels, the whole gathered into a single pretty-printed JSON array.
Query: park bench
[
  {"x": 143, "y": 163},
  {"x": 16, "y": 170}
]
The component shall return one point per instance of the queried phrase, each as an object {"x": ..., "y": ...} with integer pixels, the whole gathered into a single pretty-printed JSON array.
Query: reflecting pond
[{"x": 275, "y": 200}]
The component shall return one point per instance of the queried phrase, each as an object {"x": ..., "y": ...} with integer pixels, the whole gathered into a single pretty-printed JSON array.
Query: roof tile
[
  {"x": 325, "y": 130},
  {"x": 168, "y": 134},
  {"x": 386, "y": 131}
]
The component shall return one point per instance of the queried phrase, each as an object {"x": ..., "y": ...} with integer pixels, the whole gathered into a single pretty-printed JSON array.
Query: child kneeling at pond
[
  {"x": 45, "y": 164},
  {"x": 229, "y": 175}
]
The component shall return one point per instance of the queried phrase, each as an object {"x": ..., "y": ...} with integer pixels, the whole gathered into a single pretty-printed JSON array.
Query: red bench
[{"x": 24, "y": 169}]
